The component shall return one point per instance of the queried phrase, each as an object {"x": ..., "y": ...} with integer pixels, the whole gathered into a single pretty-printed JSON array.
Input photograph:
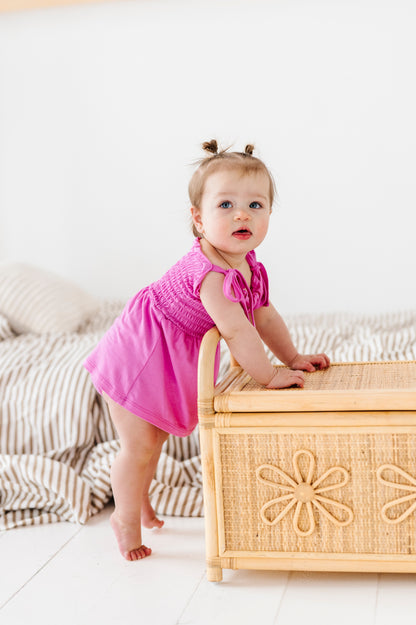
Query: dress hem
[{"x": 103, "y": 385}]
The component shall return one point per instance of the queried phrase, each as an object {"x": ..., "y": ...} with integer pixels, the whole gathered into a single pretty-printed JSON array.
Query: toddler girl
[{"x": 146, "y": 364}]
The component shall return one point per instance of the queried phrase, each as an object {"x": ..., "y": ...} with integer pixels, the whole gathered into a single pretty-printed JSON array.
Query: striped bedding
[{"x": 57, "y": 441}]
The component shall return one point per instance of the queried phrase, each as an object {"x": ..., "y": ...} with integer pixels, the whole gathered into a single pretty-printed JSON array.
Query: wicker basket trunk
[{"x": 319, "y": 478}]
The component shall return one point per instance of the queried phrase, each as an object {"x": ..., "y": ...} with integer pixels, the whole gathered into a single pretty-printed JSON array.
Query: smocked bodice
[{"x": 176, "y": 293}]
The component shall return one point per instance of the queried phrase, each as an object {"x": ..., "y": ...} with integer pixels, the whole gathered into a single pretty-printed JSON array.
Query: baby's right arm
[{"x": 242, "y": 337}]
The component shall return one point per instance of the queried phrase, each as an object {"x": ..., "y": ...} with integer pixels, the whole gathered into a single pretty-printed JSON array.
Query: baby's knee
[
  {"x": 150, "y": 441},
  {"x": 145, "y": 439}
]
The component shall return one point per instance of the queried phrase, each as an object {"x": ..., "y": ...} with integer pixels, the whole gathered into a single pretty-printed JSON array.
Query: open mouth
[{"x": 242, "y": 234}]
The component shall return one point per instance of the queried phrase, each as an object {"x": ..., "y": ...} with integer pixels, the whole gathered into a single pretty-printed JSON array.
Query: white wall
[{"x": 103, "y": 108}]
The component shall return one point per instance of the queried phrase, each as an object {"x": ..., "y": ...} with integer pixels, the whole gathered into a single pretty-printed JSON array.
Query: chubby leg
[
  {"x": 140, "y": 445},
  {"x": 149, "y": 518}
]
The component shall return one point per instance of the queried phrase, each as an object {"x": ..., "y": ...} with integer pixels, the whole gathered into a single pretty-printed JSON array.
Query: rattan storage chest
[{"x": 319, "y": 478}]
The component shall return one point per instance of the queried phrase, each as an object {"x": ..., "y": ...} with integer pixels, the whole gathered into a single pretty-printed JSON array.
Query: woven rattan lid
[{"x": 344, "y": 386}]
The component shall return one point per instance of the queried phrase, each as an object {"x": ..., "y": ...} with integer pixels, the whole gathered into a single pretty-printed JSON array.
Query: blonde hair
[{"x": 222, "y": 159}]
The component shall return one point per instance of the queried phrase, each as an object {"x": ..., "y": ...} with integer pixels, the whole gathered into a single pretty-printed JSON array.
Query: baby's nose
[{"x": 241, "y": 214}]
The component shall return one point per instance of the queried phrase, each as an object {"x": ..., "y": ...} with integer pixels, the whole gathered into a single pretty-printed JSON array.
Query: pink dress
[{"x": 147, "y": 361}]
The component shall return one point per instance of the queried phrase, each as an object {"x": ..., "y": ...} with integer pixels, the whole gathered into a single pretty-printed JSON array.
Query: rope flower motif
[
  {"x": 409, "y": 487},
  {"x": 303, "y": 493}
]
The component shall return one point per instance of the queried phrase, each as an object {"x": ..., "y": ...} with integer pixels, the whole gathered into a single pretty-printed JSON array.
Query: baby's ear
[{"x": 197, "y": 218}]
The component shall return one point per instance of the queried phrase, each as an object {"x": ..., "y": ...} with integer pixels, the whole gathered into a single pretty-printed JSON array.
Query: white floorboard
[
  {"x": 25, "y": 551},
  {"x": 89, "y": 582},
  {"x": 74, "y": 575},
  {"x": 396, "y": 600},
  {"x": 242, "y": 597},
  {"x": 329, "y": 598}
]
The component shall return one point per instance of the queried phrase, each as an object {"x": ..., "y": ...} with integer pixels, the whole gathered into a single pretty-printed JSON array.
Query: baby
[{"x": 146, "y": 364}]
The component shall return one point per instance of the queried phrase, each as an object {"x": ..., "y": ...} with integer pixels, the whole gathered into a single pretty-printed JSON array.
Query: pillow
[{"x": 35, "y": 300}]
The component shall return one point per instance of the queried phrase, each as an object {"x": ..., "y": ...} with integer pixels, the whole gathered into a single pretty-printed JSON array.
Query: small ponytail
[
  {"x": 211, "y": 147},
  {"x": 249, "y": 149}
]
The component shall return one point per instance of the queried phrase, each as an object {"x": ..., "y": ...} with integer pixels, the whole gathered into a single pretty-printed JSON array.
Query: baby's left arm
[{"x": 275, "y": 334}]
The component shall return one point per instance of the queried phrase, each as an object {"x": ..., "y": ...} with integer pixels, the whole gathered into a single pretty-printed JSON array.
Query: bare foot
[
  {"x": 149, "y": 518},
  {"x": 128, "y": 537}
]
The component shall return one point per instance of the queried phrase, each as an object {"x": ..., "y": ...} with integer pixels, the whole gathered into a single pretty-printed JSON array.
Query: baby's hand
[
  {"x": 283, "y": 378},
  {"x": 310, "y": 362}
]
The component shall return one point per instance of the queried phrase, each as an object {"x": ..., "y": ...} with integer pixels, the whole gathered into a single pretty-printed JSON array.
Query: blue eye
[
  {"x": 225, "y": 204},
  {"x": 255, "y": 205}
]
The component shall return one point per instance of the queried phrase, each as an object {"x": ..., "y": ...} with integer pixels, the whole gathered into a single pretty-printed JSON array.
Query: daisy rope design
[
  {"x": 411, "y": 487},
  {"x": 302, "y": 492}
]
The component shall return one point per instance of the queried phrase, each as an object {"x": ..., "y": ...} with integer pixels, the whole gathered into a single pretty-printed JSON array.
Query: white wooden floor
[{"x": 67, "y": 574}]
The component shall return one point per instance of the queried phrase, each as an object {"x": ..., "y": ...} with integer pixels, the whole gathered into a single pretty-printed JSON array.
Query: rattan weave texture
[
  {"x": 242, "y": 453},
  {"x": 353, "y": 377}
]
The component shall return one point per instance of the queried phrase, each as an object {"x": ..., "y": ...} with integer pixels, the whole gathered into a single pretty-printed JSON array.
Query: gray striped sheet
[
  {"x": 352, "y": 337},
  {"x": 57, "y": 441}
]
